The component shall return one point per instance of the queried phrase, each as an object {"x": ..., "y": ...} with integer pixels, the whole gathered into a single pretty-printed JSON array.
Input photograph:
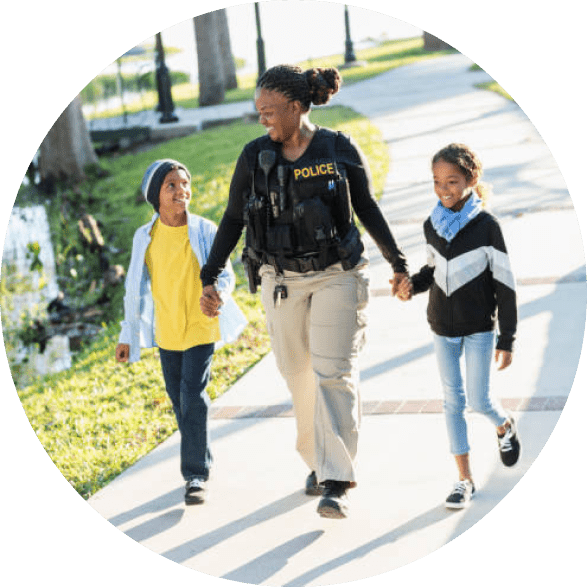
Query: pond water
[{"x": 30, "y": 225}]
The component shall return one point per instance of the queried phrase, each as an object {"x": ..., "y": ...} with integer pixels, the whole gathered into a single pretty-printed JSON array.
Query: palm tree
[
  {"x": 210, "y": 68},
  {"x": 432, "y": 43},
  {"x": 228, "y": 65},
  {"x": 67, "y": 149}
]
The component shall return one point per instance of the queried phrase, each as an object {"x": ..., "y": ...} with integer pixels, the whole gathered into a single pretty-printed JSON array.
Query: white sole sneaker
[{"x": 460, "y": 497}]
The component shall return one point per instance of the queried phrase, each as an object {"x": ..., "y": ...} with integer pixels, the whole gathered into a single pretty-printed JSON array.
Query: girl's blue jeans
[
  {"x": 478, "y": 350},
  {"x": 186, "y": 374}
]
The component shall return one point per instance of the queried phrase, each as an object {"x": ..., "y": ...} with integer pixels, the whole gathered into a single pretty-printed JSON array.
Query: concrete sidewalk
[
  {"x": 258, "y": 526},
  {"x": 190, "y": 120}
]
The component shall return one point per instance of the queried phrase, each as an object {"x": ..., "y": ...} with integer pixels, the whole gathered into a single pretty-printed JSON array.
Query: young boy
[{"x": 162, "y": 308}]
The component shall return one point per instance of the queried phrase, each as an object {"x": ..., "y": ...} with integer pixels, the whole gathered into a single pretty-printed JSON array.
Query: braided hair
[
  {"x": 468, "y": 163},
  {"x": 313, "y": 86}
]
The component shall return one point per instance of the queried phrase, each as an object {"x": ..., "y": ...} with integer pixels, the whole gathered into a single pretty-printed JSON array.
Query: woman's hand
[
  {"x": 122, "y": 353},
  {"x": 401, "y": 286},
  {"x": 210, "y": 302},
  {"x": 398, "y": 278},
  {"x": 503, "y": 359}
]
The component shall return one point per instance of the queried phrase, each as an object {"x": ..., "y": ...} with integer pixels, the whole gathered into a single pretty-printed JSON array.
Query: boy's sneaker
[
  {"x": 312, "y": 485},
  {"x": 509, "y": 445},
  {"x": 195, "y": 491},
  {"x": 461, "y": 495},
  {"x": 335, "y": 502}
]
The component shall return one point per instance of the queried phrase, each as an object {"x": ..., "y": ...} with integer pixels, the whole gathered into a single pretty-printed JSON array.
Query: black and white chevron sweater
[{"x": 470, "y": 281}]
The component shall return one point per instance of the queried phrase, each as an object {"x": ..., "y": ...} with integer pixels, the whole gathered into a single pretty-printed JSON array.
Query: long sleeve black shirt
[{"x": 470, "y": 281}]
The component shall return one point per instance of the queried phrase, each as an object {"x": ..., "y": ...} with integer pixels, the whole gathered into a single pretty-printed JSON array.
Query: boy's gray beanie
[{"x": 154, "y": 176}]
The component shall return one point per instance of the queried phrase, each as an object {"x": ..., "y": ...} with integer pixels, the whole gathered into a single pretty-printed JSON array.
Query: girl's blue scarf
[{"x": 447, "y": 223}]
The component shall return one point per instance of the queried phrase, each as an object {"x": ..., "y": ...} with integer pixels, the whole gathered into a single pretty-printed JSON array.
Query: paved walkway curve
[{"x": 257, "y": 525}]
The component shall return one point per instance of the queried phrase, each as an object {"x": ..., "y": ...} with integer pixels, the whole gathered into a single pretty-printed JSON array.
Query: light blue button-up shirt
[{"x": 138, "y": 326}]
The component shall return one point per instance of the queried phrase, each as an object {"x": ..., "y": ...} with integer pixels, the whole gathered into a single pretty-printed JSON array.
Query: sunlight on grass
[{"x": 494, "y": 87}]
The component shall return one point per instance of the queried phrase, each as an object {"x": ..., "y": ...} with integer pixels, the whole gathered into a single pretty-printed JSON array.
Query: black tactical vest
[{"x": 298, "y": 214}]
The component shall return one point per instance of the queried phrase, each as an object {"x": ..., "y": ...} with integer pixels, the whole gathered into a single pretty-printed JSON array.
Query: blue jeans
[
  {"x": 478, "y": 349},
  {"x": 186, "y": 374}
]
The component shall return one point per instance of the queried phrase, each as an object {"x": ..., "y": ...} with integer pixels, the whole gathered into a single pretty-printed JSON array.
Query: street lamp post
[
  {"x": 349, "y": 53},
  {"x": 260, "y": 45},
  {"x": 165, "y": 106}
]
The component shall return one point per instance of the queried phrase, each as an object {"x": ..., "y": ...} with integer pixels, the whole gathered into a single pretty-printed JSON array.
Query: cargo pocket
[
  {"x": 267, "y": 274},
  {"x": 362, "y": 277}
]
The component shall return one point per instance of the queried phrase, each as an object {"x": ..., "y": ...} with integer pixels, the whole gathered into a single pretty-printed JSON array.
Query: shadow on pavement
[
  {"x": 396, "y": 362},
  {"x": 266, "y": 565},
  {"x": 507, "y": 107},
  {"x": 155, "y": 526},
  {"x": 160, "y": 503},
  {"x": 202, "y": 543},
  {"x": 420, "y": 522}
]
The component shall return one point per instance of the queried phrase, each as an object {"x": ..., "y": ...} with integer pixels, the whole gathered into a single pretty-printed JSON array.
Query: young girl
[
  {"x": 471, "y": 284},
  {"x": 162, "y": 308}
]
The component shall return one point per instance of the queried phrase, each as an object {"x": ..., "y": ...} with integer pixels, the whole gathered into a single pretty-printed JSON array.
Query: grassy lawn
[
  {"x": 378, "y": 59},
  {"x": 492, "y": 86},
  {"x": 99, "y": 417}
]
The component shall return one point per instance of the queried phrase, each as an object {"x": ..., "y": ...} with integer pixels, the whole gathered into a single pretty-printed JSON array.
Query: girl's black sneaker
[
  {"x": 509, "y": 445},
  {"x": 461, "y": 495}
]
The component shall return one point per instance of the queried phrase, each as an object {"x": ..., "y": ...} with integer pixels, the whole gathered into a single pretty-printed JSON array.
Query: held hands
[
  {"x": 122, "y": 353},
  {"x": 401, "y": 286},
  {"x": 210, "y": 302}
]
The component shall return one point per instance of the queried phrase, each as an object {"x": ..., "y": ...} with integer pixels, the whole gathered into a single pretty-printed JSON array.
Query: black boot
[
  {"x": 335, "y": 501},
  {"x": 312, "y": 485}
]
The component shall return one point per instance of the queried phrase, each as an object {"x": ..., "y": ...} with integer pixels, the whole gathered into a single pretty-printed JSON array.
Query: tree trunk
[
  {"x": 432, "y": 43},
  {"x": 67, "y": 148},
  {"x": 210, "y": 69},
  {"x": 228, "y": 65}
]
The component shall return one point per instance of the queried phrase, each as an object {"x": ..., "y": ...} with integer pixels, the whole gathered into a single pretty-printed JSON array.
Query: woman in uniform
[{"x": 296, "y": 189}]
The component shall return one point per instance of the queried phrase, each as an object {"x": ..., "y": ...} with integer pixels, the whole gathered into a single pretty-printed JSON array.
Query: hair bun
[{"x": 323, "y": 83}]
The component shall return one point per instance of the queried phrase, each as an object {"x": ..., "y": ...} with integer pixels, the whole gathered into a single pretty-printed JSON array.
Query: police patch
[{"x": 317, "y": 170}]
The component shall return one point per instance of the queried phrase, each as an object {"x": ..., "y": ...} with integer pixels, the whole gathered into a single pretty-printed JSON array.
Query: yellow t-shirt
[{"x": 176, "y": 288}]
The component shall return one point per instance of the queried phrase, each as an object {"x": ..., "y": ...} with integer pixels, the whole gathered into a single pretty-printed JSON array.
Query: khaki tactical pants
[{"x": 316, "y": 334}]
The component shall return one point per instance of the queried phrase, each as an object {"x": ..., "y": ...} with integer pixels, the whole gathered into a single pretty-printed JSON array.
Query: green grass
[
  {"x": 379, "y": 59},
  {"x": 99, "y": 417},
  {"x": 494, "y": 87},
  {"x": 491, "y": 86}
]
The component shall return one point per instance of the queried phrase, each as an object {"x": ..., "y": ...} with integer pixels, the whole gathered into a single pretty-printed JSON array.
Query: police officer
[{"x": 296, "y": 190}]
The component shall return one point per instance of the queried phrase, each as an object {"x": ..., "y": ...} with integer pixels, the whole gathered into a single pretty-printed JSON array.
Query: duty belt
[{"x": 316, "y": 262}]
